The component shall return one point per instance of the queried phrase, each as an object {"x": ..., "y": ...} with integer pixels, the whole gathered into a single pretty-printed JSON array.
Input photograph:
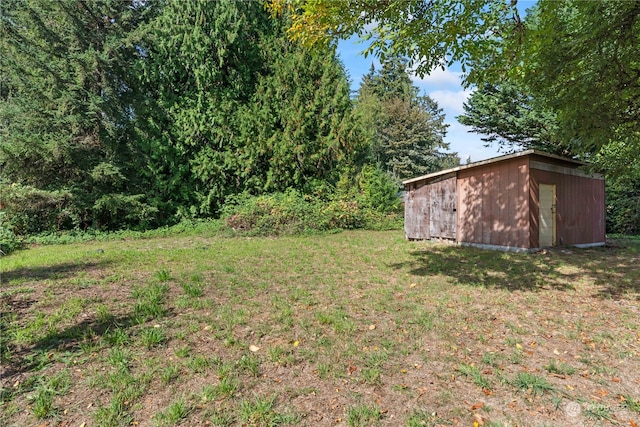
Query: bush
[
  {"x": 29, "y": 210},
  {"x": 341, "y": 214},
  {"x": 378, "y": 191},
  {"x": 119, "y": 211},
  {"x": 293, "y": 212},
  {"x": 9, "y": 242},
  {"x": 279, "y": 213}
]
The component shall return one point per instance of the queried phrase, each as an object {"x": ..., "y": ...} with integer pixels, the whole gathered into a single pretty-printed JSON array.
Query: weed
[
  {"x": 250, "y": 364},
  {"x": 516, "y": 357},
  {"x": 559, "y": 368},
  {"x": 476, "y": 376},
  {"x": 222, "y": 418},
  {"x": 556, "y": 401},
  {"x": 276, "y": 354},
  {"x": 45, "y": 391},
  {"x": 490, "y": 358},
  {"x": 150, "y": 301},
  {"x": 163, "y": 275},
  {"x": 424, "y": 319},
  {"x": 531, "y": 383},
  {"x": 182, "y": 351},
  {"x": 423, "y": 418},
  {"x": 226, "y": 387},
  {"x": 371, "y": 375},
  {"x": 103, "y": 314},
  {"x": 119, "y": 358},
  {"x": 177, "y": 410},
  {"x": 631, "y": 403},
  {"x": 362, "y": 415},
  {"x": 42, "y": 404},
  {"x": 116, "y": 336},
  {"x": 198, "y": 364},
  {"x": 152, "y": 337},
  {"x": 113, "y": 415},
  {"x": 194, "y": 290},
  {"x": 169, "y": 373},
  {"x": 261, "y": 412},
  {"x": 323, "y": 370}
]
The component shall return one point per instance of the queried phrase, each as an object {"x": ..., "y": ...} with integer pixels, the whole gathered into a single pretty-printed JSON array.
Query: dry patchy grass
[{"x": 351, "y": 329}]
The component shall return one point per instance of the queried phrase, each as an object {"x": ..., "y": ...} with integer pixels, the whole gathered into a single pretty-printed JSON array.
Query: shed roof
[{"x": 493, "y": 160}]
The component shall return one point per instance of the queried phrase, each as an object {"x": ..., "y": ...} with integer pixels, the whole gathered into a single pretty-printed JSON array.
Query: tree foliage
[
  {"x": 202, "y": 62},
  {"x": 574, "y": 89},
  {"x": 135, "y": 113},
  {"x": 512, "y": 120},
  {"x": 67, "y": 96},
  {"x": 298, "y": 126},
  {"x": 429, "y": 33},
  {"x": 581, "y": 60},
  {"x": 406, "y": 130},
  {"x": 238, "y": 107}
]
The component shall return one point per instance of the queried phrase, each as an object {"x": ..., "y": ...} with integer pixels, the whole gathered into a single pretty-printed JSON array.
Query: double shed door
[{"x": 431, "y": 211}]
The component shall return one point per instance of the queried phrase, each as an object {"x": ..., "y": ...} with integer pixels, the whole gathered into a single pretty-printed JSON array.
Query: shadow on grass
[
  {"x": 70, "y": 341},
  {"x": 59, "y": 271},
  {"x": 614, "y": 269}
]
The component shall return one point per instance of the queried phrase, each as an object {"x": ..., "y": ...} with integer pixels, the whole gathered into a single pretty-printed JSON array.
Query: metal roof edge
[{"x": 489, "y": 161}]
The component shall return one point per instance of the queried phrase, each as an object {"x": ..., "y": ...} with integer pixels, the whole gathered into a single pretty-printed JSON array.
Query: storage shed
[{"x": 522, "y": 201}]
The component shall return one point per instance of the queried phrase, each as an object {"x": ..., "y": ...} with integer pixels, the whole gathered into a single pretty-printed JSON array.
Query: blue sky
[{"x": 444, "y": 86}]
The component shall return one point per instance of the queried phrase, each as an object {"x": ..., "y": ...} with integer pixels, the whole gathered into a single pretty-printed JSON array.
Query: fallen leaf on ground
[{"x": 254, "y": 348}]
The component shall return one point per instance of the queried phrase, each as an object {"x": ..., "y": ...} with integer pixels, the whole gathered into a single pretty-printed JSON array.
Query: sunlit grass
[{"x": 236, "y": 328}]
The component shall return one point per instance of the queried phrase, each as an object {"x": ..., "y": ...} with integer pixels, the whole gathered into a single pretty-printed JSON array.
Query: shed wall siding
[
  {"x": 580, "y": 207},
  {"x": 494, "y": 204}
]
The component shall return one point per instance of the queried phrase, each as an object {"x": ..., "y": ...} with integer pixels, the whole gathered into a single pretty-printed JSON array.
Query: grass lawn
[{"x": 350, "y": 329}]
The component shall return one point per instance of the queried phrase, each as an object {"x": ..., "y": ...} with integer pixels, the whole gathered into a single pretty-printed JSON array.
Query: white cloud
[
  {"x": 451, "y": 101},
  {"x": 439, "y": 77}
]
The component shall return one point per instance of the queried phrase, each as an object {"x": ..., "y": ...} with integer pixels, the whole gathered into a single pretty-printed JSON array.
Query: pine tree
[
  {"x": 406, "y": 131},
  {"x": 67, "y": 97}
]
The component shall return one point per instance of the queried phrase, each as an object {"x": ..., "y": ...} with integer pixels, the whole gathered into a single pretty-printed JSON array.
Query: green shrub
[
  {"x": 378, "y": 191},
  {"x": 293, "y": 212},
  {"x": 279, "y": 213},
  {"x": 9, "y": 242},
  {"x": 118, "y": 211},
  {"x": 29, "y": 210},
  {"x": 341, "y": 214}
]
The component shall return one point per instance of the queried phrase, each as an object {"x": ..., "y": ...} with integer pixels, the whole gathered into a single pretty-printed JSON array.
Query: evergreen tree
[
  {"x": 236, "y": 106},
  {"x": 512, "y": 120},
  {"x": 298, "y": 126},
  {"x": 67, "y": 99},
  {"x": 203, "y": 60},
  {"x": 406, "y": 130}
]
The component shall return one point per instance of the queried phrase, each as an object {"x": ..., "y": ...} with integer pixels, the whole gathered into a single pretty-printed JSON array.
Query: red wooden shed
[{"x": 521, "y": 201}]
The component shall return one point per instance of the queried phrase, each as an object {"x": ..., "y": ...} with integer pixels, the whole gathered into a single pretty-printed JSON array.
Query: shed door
[
  {"x": 416, "y": 214},
  {"x": 547, "y": 222},
  {"x": 443, "y": 209}
]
